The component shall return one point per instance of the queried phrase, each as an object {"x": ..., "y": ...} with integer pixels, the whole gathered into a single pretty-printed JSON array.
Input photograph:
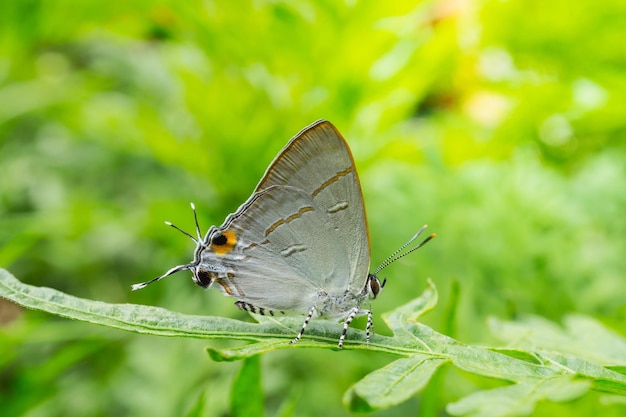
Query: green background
[{"x": 501, "y": 124}]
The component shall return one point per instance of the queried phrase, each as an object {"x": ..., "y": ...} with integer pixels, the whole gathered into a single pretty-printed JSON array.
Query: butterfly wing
[
  {"x": 278, "y": 251},
  {"x": 318, "y": 161}
]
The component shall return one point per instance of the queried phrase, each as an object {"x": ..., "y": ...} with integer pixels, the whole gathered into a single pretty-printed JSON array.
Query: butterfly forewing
[
  {"x": 318, "y": 161},
  {"x": 284, "y": 253}
]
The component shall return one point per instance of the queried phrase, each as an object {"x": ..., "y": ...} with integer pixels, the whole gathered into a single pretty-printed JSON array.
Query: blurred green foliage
[{"x": 501, "y": 124}]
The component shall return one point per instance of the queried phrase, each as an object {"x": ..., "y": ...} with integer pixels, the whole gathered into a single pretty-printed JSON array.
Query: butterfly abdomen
[{"x": 251, "y": 308}]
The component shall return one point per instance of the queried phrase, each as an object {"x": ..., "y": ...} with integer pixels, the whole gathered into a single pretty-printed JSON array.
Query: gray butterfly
[{"x": 299, "y": 245}]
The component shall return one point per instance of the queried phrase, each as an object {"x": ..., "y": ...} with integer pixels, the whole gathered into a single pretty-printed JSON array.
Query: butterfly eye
[
  {"x": 375, "y": 285},
  {"x": 203, "y": 278}
]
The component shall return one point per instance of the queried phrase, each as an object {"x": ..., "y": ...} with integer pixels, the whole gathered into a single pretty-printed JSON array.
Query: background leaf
[
  {"x": 392, "y": 384},
  {"x": 247, "y": 395},
  {"x": 198, "y": 408},
  {"x": 518, "y": 399},
  {"x": 580, "y": 336}
]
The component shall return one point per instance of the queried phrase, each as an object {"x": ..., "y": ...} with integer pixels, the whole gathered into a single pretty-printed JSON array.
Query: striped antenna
[{"x": 398, "y": 253}]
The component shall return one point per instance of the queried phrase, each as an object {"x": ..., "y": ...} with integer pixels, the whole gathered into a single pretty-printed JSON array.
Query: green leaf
[
  {"x": 518, "y": 399},
  {"x": 131, "y": 317},
  {"x": 580, "y": 336},
  {"x": 603, "y": 378},
  {"x": 247, "y": 396},
  {"x": 198, "y": 408},
  {"x": 535, "y": 374},
  {"x": 617, "y": 368},
  {"x": 392, "y": 384}
]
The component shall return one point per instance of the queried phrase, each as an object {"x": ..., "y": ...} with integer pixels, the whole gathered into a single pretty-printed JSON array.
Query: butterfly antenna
[
  {"x": 182, "y": 231},
  {"x": 141, "y": 285},
  {"x": 398, "y": 255},
  {"x": 195, "y": 218},
  {"x": 178, "y": 268}
]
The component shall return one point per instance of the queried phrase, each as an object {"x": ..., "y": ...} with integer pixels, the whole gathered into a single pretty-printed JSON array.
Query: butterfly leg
[
  {"x": 369, "y": 327},
  {"x": 306, "y": 321},
  {"x": 346, "y": 324}
]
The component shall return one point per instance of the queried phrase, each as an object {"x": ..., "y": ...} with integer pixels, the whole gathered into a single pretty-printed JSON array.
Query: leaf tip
[{"x": 356, "y": 403}]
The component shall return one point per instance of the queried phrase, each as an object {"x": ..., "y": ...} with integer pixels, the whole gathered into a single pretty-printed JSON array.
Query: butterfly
[{"x": 300, "y": 244}]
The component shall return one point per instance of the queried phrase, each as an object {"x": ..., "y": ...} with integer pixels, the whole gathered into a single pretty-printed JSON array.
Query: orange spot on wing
[
  {"x": 225, "y": 287},
  {"x": 228, "y": 246}
]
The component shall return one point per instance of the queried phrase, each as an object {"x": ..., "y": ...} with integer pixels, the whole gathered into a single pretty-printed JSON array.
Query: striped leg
[
  {"x": 306, "y": 321},
  {"x": 369, "y": 326},
  {"x": 346, "y": 323}
]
